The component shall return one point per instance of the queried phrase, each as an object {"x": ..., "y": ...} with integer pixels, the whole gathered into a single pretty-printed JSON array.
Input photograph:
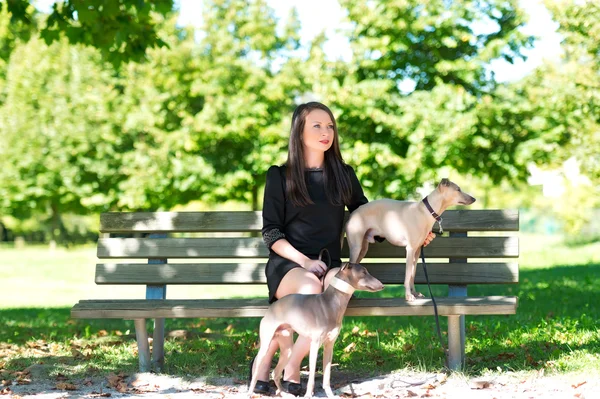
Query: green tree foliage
[
  {"x": 568, "y": 94},
  {"x": 59, "y": 148},
  {"x": 400, "y": 138},
  {"x": 247, "y": 99},
  {"x": 165, "y": 165},
  {"x": 209, "y": 111},
  {"x": 121, "y": 29},
  {"x": 434, "y": 42}
]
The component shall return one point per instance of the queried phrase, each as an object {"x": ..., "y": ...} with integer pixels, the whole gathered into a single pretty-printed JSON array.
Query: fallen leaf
[
  {"x": 21, "y": 380},
  {"x": 116, "y": 382},
  {"x": 505, "y": 355},
  {"x": 65, "y": 386},
  {"x": 578, "y": 385},
  {"x": 178, "y": 334},
  {"x": 76, "y": 354},
  {"x": 479, "y": 384},
  {"x": 408, "y": 347},
  {"x": 411, "y": 394},
  {"x": 100, "y": 394},
  {"x": 113, "y": 380},
  {"x": 5, "y": 391},
  {"x": 350, "y": 347}
]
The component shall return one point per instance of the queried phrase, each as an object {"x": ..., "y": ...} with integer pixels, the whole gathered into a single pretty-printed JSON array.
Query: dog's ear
[{"x": 445, "y": 182}]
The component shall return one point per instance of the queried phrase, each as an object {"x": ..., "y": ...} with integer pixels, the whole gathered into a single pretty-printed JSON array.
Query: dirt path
[{"x": 36, "y": 384}]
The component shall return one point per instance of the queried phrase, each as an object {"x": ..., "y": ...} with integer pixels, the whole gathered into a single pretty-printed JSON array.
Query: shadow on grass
[{"x": 556, "y": 320}]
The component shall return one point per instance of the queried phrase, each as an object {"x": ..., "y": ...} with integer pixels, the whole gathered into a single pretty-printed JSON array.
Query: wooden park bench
[{"x": 235, "y": 236}]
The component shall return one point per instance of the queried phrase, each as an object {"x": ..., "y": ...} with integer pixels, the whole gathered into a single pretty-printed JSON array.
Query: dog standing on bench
[
  {"x": 317, "y": 316},
  {"x": 402, "y": 223}
]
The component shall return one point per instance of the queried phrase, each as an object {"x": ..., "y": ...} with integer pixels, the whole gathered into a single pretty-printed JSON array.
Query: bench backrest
[{"x": 229, "y": 249}]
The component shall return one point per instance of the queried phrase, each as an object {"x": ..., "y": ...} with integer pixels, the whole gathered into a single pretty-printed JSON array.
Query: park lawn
[{"x": 555, "y": 328}]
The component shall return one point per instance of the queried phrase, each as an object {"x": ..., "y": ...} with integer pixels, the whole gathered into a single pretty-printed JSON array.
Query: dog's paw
[{"x": 418, "y": 294}]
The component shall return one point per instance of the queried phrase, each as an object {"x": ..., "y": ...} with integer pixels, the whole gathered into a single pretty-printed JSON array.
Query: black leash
[
  {"x": 437, "y": 317},
  {"x": 328, "y": 263}
]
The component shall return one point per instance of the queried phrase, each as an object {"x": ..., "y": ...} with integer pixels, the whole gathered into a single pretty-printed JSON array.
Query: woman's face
[{"x": 318, "y": 134}]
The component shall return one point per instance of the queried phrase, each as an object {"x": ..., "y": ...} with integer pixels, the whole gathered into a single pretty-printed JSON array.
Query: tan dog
[
  {"x": 402, "y": 223},
  {"x": 318, "y": 317}
]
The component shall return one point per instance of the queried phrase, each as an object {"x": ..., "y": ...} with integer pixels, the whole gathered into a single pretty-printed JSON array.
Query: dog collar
[
  {"x": 435, "y": 215},
  {"x": 341, "y": 285}
]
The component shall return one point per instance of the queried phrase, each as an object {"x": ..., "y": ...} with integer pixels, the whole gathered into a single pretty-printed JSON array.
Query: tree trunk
[
  {"x": 58, "y": 229},
  {"x": 255, "y": 197}
]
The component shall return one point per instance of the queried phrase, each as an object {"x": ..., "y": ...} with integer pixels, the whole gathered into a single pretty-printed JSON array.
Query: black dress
[{"x": 309, "y": 228}]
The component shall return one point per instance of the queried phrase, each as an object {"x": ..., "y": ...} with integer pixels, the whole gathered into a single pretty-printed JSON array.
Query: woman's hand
[
  {"x": 315, "y": 266},
  {"x": 429, "y": 238}
]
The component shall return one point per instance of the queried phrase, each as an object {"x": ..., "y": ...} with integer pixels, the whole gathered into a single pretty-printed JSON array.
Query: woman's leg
[
  {"x": 298, "y": 281},
  {"x": 263, "y": 371}
]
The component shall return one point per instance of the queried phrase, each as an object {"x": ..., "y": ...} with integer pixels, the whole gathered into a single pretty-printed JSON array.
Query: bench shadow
[{"x": 552, "y": 303}]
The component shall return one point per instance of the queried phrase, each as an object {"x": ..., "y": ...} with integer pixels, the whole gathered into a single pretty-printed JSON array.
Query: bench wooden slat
[
  {"x": 253, "y": 273},
  {"x": 442, "y": 247},
  {"x": 170, "y": 222},
  {"x": 217, "y": 308},
  {"x": 253, "y": 247}
]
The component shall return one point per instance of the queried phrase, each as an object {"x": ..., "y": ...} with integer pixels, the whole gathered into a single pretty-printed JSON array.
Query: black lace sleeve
[{"x": 273, "y": 213}]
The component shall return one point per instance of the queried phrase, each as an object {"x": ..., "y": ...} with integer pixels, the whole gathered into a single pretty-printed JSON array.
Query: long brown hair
[{"x": 338, "y": 187}]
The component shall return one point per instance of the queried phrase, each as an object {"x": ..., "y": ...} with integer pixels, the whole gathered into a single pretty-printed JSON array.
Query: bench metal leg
[
  {"x": 456, "y": 332},
  {"x": 455, "y": 344},
  {"x": 158, "y": 345},
  {"x": 157, "y": 291},
  {"x": 141, "y": 335}
]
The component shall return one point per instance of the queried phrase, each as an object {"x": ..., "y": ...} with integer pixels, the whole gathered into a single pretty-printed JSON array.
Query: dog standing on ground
[
  {"x": 402, "y": 223},
  {"x": 318, "y": 317}
]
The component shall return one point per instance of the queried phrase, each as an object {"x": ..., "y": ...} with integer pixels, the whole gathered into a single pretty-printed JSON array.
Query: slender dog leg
[
  {"x": 327, "y": 358},
  {"x": 285, "y": 352},
  {"x": 363, "y": 250},
  {"x": 355, "y": 251},
  {"x": 408, "y": 282},
  {"x": 314, "y": 351},
  {"x": 414, "y": 273}
]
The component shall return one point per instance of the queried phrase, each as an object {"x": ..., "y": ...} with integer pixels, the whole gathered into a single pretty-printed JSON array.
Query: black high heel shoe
[
  {"x": 292, "y": 387},
  {"x": 261, "y": 387}
]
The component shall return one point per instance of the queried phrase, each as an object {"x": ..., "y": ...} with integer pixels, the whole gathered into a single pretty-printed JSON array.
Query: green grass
[{"x": 555, "y": 328}]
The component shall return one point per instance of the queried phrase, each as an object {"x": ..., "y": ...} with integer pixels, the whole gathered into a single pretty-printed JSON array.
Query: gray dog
[{"x": 318, "y": 317}]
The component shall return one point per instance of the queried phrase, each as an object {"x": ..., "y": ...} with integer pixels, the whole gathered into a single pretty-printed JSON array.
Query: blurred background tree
[{"x": 114, "y": 106}]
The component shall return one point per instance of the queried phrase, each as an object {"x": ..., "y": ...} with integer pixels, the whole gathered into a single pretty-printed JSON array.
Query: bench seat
[{"x": 210, "y": 308}]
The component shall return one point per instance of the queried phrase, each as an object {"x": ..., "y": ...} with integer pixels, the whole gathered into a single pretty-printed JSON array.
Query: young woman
[{"x": 303, "y": 212}]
